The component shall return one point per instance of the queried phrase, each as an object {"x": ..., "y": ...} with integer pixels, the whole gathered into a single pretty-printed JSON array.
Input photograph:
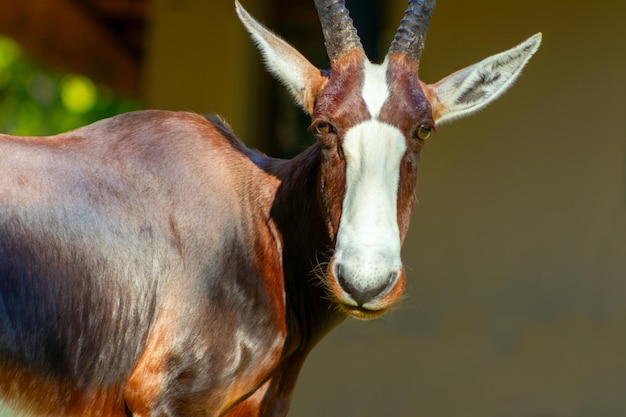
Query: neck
[{"x": 307, "y": 247}]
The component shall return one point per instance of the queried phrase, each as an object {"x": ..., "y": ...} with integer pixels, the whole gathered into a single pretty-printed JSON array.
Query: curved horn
[
  {"x": 339, "y": 32},
  {"x": 411, "y": 34}
]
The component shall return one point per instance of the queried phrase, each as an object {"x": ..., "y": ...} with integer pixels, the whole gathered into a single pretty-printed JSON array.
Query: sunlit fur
[{"x": 151, "y": 264}]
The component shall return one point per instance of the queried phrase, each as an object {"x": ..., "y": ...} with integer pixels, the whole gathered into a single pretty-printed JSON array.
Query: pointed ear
[
  {"x": 302, "y": 79},
  {"x": 472, "y": 88}
]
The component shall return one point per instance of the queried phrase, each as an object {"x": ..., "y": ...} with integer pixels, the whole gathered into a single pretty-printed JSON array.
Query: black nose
[{"x": 362, "y": 294}]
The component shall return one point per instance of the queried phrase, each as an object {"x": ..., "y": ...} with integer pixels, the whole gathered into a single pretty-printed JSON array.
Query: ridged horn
[
  {"x": 411, "y": 34},
  {"x": 339, "y": 33}
]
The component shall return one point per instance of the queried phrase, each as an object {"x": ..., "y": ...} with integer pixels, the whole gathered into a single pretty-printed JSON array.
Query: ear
[
  {"x": 302, "y": 79},
  {"x": 472, "y": 88}
]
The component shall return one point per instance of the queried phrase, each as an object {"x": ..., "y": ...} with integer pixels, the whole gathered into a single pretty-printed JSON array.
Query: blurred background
[{"x": 516, "y": 305}]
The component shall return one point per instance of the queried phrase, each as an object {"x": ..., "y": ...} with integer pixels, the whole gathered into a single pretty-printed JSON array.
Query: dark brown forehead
[
  {"x": 340, "y": 100},
  {"x": 407, "y": 104}
]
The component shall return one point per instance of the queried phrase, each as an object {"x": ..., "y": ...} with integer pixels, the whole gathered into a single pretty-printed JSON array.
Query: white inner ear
[
  {"x": 282, "y": 60},
  {"x": 472, "y": 88}
]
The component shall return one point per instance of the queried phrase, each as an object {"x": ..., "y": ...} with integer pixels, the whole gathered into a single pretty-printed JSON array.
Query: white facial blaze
[
  {"x": 373, "y": 151},
  {"x": 368, "y": 240},
  {"x": 375, "y": 91}
]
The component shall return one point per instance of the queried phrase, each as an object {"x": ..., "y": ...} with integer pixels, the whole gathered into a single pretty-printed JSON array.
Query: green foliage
[{"x": 36, "y": 102}]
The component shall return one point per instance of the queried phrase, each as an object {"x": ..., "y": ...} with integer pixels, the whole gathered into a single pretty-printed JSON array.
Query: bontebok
[{"x": 152, "y": 265}]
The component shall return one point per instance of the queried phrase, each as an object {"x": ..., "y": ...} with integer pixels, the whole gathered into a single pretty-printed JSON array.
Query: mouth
[
  {"x": 358, "y": 306},
  {"x": 361, "y": 313}
]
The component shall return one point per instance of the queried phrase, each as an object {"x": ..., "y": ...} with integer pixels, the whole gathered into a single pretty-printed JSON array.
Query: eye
[
  {"x": 422, "y": 131},
  {"x": 324, "y": 128}
]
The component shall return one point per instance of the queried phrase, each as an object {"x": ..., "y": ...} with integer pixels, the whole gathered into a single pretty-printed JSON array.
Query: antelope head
[{"x": 372, "y": 121}]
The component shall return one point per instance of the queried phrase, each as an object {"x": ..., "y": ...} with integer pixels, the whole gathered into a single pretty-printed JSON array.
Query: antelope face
[{"x": 371, "y": 121}]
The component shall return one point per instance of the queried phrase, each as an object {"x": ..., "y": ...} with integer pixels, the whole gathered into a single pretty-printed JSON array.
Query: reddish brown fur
[
  {"x": 230, "y": 319},
  {"x": 340, "y": 104},
  {"x": 340, "y": 101},
  {"x": 146, "y": 380},
  {"x": 151, "y": 264},
  {"x": 408, "y": 107},
  {"x": 47, "y": 396},
  {"x": 240, "y": 172}
]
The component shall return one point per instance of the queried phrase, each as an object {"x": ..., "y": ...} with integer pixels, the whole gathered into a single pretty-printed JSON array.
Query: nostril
[
  {"x": 348, "y": 286},
  {"x": 343, "y": 282},
  {"x": 392, "y": 278}
]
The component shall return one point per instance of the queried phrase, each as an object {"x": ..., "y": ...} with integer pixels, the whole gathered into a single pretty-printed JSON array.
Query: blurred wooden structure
[
  {"x": 103, "y": 39},
  {"x": 137, "y": 47}
]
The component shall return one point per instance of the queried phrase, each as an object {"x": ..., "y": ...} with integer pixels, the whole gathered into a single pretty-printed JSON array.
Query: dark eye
[
  {"x": 423, "y": 131},
  {"x": 324, "y": 128}
]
